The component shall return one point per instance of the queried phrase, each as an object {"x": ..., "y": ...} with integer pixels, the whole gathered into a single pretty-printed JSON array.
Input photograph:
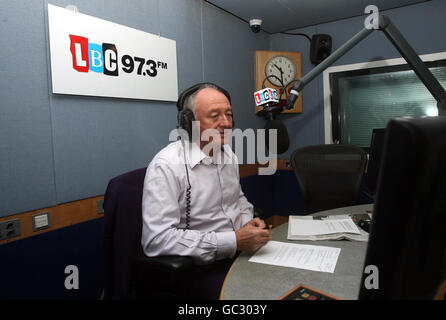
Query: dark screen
[
  {"x": 407, "y": 237},
  {"x": 376, "y": 149}
]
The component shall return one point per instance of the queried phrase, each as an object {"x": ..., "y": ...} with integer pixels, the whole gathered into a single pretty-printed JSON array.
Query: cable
[
  {"x": 297, "y": 34},
  {"x": 282, "y": 88},
  {"x": 188, "y": 199},
  {"x": 189, "y": 187},
  {"x": 271, "y": 76}
]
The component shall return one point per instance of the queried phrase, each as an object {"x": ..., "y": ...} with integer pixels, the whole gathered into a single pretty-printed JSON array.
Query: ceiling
[{"x": 285, "y": 15}]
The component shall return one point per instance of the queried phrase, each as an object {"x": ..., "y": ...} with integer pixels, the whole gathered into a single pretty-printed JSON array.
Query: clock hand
[
  {"x": 280, "y": 69},
  {"x": 281, "y": 72}
]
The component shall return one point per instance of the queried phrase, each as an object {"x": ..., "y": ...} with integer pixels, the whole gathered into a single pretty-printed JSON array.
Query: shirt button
[{"x": 207, "y": 160}]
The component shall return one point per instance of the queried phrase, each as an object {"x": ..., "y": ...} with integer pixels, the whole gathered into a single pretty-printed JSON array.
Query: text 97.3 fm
[{"x": 103, "y": 58}]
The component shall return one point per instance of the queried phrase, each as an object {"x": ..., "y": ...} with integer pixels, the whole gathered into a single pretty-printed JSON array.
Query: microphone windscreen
[{"x": 283, "y": 141}]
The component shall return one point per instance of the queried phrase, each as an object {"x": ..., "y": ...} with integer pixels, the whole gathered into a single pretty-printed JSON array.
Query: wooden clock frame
[{"x": 261, "y": 59}]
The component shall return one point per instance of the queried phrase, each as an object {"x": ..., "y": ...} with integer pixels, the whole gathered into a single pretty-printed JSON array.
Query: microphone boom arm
[{"x": 403, "y": 47}]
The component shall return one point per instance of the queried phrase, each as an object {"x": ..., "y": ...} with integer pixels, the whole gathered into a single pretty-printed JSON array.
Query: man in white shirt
[{"x": 213, "y": 219}]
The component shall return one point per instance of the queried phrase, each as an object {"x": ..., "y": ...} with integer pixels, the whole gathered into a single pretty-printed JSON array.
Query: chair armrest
[
  {"x": 161, "y": 277},
  {"x": 163, "y": 263},
  {"x": 258, "y": 213}
]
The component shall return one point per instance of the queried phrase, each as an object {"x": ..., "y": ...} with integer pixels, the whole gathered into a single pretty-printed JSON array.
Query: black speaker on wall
[{"x": 320, "y": 48}]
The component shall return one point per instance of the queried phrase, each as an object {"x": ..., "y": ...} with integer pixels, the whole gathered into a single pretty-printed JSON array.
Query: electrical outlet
[
  {"x": 10, "y": 229},
  {"x": 100, "y": 206}
]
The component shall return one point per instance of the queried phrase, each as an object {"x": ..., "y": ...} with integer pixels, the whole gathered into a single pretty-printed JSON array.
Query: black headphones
[{"x": 186, "y": 116}]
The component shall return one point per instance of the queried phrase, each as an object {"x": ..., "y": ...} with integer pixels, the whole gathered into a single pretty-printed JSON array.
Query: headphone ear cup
[{"x": 185, "y": 118}]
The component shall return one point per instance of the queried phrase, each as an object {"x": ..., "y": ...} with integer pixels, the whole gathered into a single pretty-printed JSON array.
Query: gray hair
[{"x": 189, "y": 102}]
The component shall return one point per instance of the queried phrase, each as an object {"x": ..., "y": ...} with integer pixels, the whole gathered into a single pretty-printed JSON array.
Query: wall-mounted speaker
[{"x": 320, "y": 48}]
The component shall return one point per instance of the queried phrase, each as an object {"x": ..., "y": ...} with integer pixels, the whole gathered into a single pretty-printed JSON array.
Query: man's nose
[{"x": 226, "y": 121}]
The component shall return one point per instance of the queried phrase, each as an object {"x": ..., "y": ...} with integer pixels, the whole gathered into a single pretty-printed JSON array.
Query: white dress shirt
[{"x": 218, "y": 206}]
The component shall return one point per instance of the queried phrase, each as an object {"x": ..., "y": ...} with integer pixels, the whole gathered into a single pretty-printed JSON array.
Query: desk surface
[{"x": 252, "y": 281}]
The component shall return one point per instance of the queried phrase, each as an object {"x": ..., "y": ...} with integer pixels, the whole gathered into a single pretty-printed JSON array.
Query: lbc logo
[
  {"x": 92, "y": 56},
  {"x": 104, "y": 59}
]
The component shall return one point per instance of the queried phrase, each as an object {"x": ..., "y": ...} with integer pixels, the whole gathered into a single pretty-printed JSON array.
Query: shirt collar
[{"x": 195, "y": 155}]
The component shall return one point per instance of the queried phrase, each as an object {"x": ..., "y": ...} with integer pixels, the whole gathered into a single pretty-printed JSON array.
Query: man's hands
[{"x": 252, "y": 235}]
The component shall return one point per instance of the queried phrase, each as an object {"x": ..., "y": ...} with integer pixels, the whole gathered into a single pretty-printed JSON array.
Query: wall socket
[{"x": 10, "y": 229}]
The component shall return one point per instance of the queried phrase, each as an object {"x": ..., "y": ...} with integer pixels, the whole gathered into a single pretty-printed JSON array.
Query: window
[{"x": 366, "y": 98}]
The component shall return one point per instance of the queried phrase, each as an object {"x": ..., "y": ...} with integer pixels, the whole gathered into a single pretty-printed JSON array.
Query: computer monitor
[
  {"x": 376, "y": 149},
  {"x": 407, "y": 242}
]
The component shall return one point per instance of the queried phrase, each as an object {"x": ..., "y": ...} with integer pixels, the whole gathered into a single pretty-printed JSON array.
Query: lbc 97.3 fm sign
[{"x": 94, "y": 57}]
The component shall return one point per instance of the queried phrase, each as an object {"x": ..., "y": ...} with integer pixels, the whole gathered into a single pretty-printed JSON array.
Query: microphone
[
  {"x": 294, "y": 93},
  {"x": 283, "y": 141},
  {"x": 267, "y": 98}
]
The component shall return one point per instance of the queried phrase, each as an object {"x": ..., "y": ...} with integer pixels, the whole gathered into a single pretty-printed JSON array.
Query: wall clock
[
  {"x": 272, "y": 68},
  {"x": 280, "y": 70}
]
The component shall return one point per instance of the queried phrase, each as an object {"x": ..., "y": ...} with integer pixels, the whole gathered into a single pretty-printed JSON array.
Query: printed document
[
  {"x": 324, "y": 228},
  {"x": 315, "y": 258},
  {"x": 304, "y": 227}
]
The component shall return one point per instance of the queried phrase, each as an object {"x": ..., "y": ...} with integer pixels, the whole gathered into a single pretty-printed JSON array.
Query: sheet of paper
[
  {"x": 306, "y": 227},
  {"x": 315, "y": 258}
]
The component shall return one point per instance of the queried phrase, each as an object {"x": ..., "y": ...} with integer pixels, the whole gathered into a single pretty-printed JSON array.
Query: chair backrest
[
  {"x": 329, "y": 175},
  {"x": 122, "y": 232}
]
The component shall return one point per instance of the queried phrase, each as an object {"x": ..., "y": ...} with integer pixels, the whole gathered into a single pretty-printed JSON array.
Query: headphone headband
[{"x": 190, "y": 91}]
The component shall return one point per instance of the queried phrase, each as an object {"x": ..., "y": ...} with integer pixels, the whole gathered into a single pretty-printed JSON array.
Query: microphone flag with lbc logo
[{"x": 265, "y": 96}]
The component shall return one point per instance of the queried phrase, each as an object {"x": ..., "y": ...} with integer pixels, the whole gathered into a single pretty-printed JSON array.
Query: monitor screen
[
  {"x": 407, "y": 247},
  {"x": 376, "y": 149}
]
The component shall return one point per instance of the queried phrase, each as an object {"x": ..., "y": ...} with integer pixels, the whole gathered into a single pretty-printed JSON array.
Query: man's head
[{"x": 211, "y": 106}]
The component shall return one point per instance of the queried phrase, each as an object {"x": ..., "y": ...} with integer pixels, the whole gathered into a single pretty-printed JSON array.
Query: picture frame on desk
[{"x": 302, "y": 292}]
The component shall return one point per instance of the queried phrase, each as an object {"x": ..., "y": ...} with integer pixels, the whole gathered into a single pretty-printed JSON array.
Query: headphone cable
[{"x": 189, "y": 187}]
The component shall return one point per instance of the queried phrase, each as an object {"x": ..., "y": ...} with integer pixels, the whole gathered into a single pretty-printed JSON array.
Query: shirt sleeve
[
  {"x": 246, "y": 208},
  {"x": 161, "y": 214}
]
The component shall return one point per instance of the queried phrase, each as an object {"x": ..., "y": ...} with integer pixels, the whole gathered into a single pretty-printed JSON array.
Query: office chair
[
  {"x": 128, "y": 273},
  {"x": 329, "y": 175}
]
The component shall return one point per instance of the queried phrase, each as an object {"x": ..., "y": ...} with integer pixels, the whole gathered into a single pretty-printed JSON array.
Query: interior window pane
[{"x": 369, "y": 100}]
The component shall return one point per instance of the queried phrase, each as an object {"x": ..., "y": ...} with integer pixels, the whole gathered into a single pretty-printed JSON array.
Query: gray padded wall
[
  {"x": 228, "y": 57},
  {"x": 60, "y": 148},
  {"x": 26, "y": 149}
]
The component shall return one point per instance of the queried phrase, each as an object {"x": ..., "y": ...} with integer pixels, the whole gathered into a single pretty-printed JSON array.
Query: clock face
[{"x": 280, "y": 67}]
